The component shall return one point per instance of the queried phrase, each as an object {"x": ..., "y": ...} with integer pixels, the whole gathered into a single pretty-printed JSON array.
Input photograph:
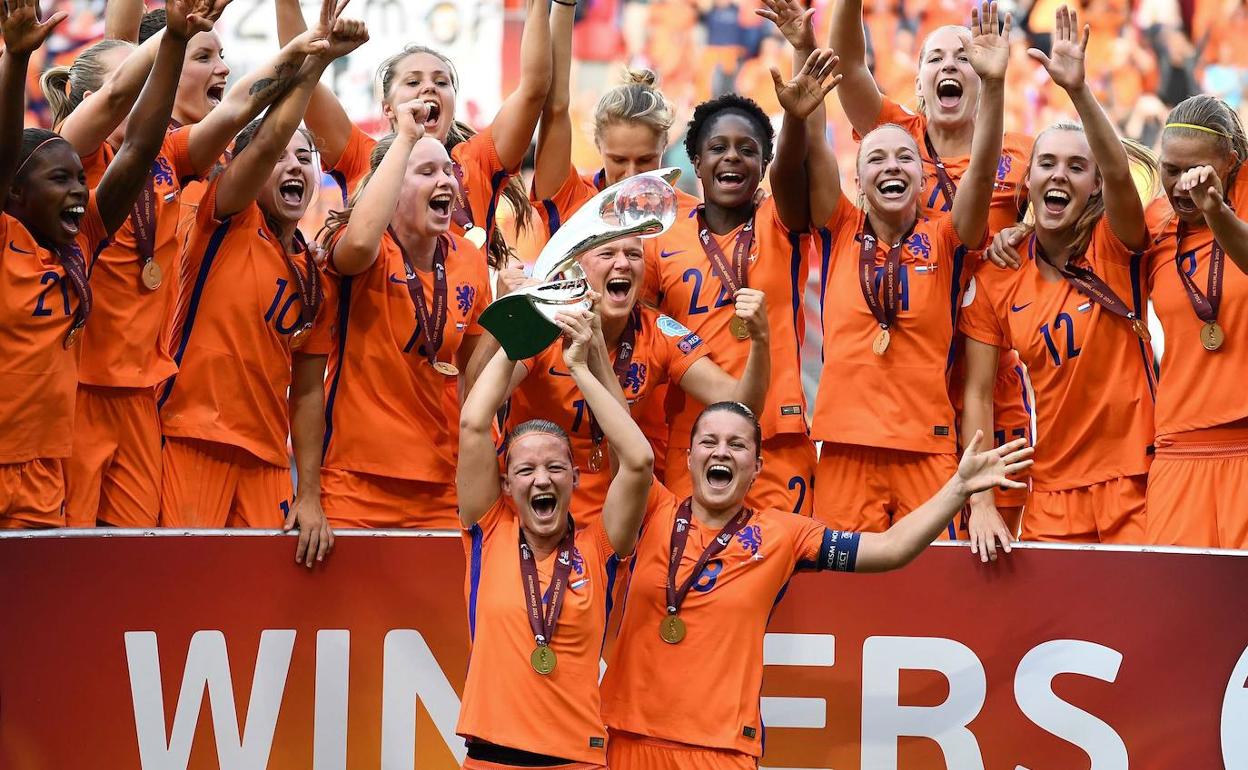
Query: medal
[
  {"x": 543, "y": 659},
  {"x": 672, "y": 629},
  {"x": 151, "y": 276},
  {"x": 71, "y": 338},
  {"x": 430, "y": 322},
  {"x": 595, "y": 459},
  {"x": 1141, "y": 329},
  {"x": 738, "y": 328},
  {"x": 446, "y": 368},
  {"x": 308, "y": 286},
  {"x": 880, "y": 345},
  {"x": 461, "y": 211},
  {"x": 1212, "y": 336},
  {"x": 732, "y": 275},
  {"x": 299, "y": 337},
  {"x": 476, "y": 236},
  {"x": 1094, "y": 288}
]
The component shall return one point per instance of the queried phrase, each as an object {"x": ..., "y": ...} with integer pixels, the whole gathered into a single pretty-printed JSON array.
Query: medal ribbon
[
  {"x": 1206, "y": 305},
  {"x": 734, "y": 276},
  {"x": 1091, "y": 285},
  {"x": 75, "y": 266},
  {"x": 461, "y": 210},
  {"x": 431, "y": 323},
  {"x": 543, "y": 624},
  {"x": 623, "y": 357},
  {"x": 143, "y": 221},
  {"x": 947, "y": 187},
  {"x": 680, "y": 536},
  {"x": 309, "y": 285},
  {"x": 885, "y": 311}
]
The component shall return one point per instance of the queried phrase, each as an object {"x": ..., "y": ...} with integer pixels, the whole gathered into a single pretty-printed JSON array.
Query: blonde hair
[
  {"x": 1220, "y": 124},
  {"x": 636, "y": 100},
  {"x": 921, "y": 104},
  {"x": 1144, "y": 168},
  {"x": 66, "y": 87}
]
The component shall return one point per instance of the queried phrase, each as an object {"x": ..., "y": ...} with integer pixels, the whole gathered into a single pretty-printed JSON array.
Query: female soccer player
[
  {"x": 483, "y": 163},
  {"x": 1198, "y": 281},
  {"x": 892, "y": 281},
  {"x": 54, "y": 229},
  {"x": 949, "y": 90},
  {"x": 531, "y": 696},
  {"x": 411, "y": 291},
  {"x": 256, "y": 294},
  {"x": 730, "y": 141},
  {"x": 739, "y": 559},
  {"x": 1073, "y": 311}
]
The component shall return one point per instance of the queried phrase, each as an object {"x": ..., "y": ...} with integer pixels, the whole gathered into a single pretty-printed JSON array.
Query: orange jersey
[
  {"x": 1091, "y": 374},
  {"x": 38, "y": 375},
  {"x": 232, "y": 333},
  {"x": 506, "y": 702},
  {"x": 381, "y": 391},
  {"x": 1187, "y": 369},
  {"x": 483, "y": 173},
  {"x": 662, "y": 352},
  {"x": 691, "y": 292},
  {"x": 1008, "y": 202},
  {"x": 704, "y": 691},
  {"x": 127, "y": 344},
  {"x": 897, "y": 400}
]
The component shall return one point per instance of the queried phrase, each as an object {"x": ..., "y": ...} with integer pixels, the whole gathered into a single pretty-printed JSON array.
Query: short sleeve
[
  {"x": 892, "y": 112},
  {"x": 659, "y": 503},
  {"x": 481, "y": 283},
  {"x": 979, "y": 319},
  {"x": 597, "y": 534},
  {"x": 176, "y": 150},
  {"x": 1106, "y": 247},
  {"x": 93, "y": 236},
  {"x": 572, "y": 194},
  {"x": 353, "y": 164},
  {"x": 498, "y": 513},
  {"x": 206, "y": 213},
  {"x": 679, "y": 347},
  {"x": 845, "y": 215},
  {"x": 95, "y": 163}
]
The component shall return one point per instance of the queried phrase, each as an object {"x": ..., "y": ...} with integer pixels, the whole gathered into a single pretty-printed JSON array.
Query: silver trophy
[{"x": 640, "y": 206}]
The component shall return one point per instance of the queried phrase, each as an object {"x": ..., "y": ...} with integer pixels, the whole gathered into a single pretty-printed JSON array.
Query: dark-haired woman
[
  {"x": 255, "y": 296},
  {"x": 733, "y": 242},
  {"x": 682, "y": 689},
  {"x": 54, "y": 227}
]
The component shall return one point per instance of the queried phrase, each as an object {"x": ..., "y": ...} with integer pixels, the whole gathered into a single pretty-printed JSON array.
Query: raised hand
[
  {"x": 806, "y": 91},
  {"x": 980, "y": 471},
  {"x": 187, "y": 18},
  {"x": 793, "y": 21},
  {"x": 23, "y": 32},
  {"x": 750, "y": 305},
  {"x": 1065, "y": 64},
  {"x": 409, "y": 119},
  {"x": 348, "y": 35},
  {"x": 1204, "y": 186},
  {"x": 989, "y": 48},
  {"x": 578, "y": 333}
]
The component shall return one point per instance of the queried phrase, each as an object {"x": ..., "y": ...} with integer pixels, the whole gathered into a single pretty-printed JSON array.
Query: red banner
[{"x": 172, "y": 651}]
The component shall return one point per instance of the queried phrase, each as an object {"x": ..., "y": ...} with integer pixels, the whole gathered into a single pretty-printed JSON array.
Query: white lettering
[
  {"x": 411, "y": 672},
  {"x": 1235, "y": 716},
  {"x": 333, "y": 676}
]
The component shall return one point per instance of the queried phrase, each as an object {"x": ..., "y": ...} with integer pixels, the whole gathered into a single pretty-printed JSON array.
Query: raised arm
[
  {"x": 800, "y": 97},
  {"x": 859, "y": 95},
  {"x": 1066, "y": 66},
  {"x": 625, "y": 505},
  {"x": 357, "y": 249},
  {"x": 985, "y": 526},
  {"x": 977, "y": 472},
  {"x": 708, "y": 383},
  {"x": 517, "y": 117},
  {"x": 1231, "y": 232},
  {"x": 989, "y": 52},
  {"x": 94, "y": 119},
  {"x": 326, "y": 118},
  {"x": 554, "y": 137},
  {"x": 23, "y": 34},
  {"x": 476, "y": 476},
  {"x": 307, "y": 437},
  {"x": 122, "y": 18}
]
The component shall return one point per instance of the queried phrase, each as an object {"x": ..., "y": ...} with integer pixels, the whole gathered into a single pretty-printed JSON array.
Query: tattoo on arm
[{"x": 266, "y": 88}]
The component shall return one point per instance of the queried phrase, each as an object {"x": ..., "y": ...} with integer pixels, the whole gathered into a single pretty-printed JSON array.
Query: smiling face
[
  {"x": 1181, "y": 151},
  {"x": 428, "y": 189},
  {"x": 425, "y": 77},
  {"x": 1061, "y": 179},
  {"x": 947, "y": 83},
  {"x": 628, "y": 149},
  {"x": 890, "y": 171},
  {"x": 202, "y": 85},
  {"x": 50, "y": 198},
  {"x": 723, "y": 459},
  {"x": 540, "y": 479},
  {"x": 729, "y": 161},
  {"x": 291, "y": 185},
  {"x": 615, "y": 271}
]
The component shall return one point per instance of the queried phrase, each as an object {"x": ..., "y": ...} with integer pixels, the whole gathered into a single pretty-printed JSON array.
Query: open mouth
[
  {"x": 440, "y": 204},
  {"x": 216, "y": 93},
  {"x": 618, "y": 289},
  {"x": 544, "y": 504},
  {"x": 71, "y": 218},
  {"x": 1182, "y": 205},
  {"x": 892, "y": 188},
  {"x": 718, "y": 476},
  {"x": 948, "y": 92},
  {"x": 291, "y": 191},
  {"x": 1056, "y": 201},
  {"x": 435, "y": 112},
  {"x": 730, "y": 180}
]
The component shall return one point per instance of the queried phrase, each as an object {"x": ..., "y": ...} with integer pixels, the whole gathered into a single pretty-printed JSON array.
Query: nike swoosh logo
[
  {"x": 555, "y": 372},
  {"x": 1015, "y": 308},
  {"x": 666, "y": 254},
  {"x": 13, "y": 247},
  {"x": 395, "y": 279}
]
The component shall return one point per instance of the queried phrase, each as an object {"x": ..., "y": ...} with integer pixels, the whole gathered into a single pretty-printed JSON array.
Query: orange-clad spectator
[{"x": 754, "y": 79}]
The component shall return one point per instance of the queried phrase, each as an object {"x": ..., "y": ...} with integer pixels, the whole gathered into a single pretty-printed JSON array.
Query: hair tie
[
  {"x": 38, "y": 147},
  {"x": 1195, "y": 127}
]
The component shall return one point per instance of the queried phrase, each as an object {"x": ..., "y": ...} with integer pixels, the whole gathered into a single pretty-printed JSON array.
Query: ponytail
[{"x": 66, "y": 87}]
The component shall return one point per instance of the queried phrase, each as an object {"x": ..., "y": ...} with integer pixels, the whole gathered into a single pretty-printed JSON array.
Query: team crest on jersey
[
  {"x": 671, "y": 327},
  {"x": 920, "y": 246},
  {"x": 751, "y": 538},
  {"x": 465, "y": 295},
  {"x": 161, "y": 172},
  {"x": 1003, "y": 167},
  {"x": 635, "y": 378}
]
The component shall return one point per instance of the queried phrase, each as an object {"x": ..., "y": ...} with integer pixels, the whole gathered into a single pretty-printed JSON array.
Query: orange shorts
[
  {"x": 363, "y": 501},
  {"x": 866, "y": 489},
  {"x": 1197, "y": 494},
  {"x": 784, "y": 482},
  {"x": 1109, "y": 512},
  {"x": 32, "y": 494},
  {"x": 627, "y": 751},
  {"x": 209, "y": 484},
  {"x": 1011, "y": 419},
  {"x": 113, "y": 474}
]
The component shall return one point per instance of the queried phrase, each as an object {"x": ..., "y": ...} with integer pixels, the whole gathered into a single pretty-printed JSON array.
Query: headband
[
  {"x": 38, "y": 147},
  {"x": 1195, "y": 127}
]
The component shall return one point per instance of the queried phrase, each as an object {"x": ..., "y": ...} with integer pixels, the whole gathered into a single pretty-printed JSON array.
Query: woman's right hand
[
  {"x": 793, "y": 21},
  {"x": 23, "y": 32},
  {"x": 409, "y": 120},
  {"x": 1065, "y": 62},
  {"x": 986, "y": 528}
]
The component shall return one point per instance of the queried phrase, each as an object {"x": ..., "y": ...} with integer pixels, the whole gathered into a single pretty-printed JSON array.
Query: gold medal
[
  {"x": 72, "y": 337},
  {"x": 672, "y": 629},
  {"x": 881, "y": 342},
  {"x": 738, "y": 328},
  {"x": 475, "y": 236},
  {"x": 446, "y": 368},
  {"x": 542, "y": 659},
  {"x": 1141, "y": 329},
  {"x": 151, "y": 276},
  {"x": 299, "y": 337},
  {"x": 595, "y": 459},
  {"x": 1212, "y": 336}
]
